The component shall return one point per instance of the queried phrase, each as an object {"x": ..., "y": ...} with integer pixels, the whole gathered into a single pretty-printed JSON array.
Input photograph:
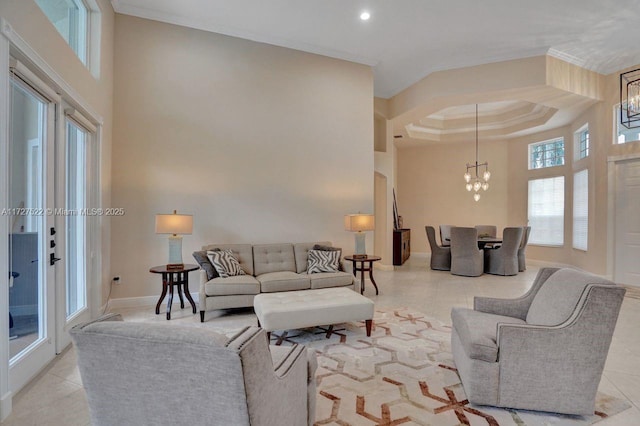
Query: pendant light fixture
[{"x": 478, "y": 183}]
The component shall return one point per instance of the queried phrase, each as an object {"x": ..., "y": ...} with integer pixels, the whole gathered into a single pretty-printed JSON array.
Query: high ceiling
[{"x": 406, "y": 40}]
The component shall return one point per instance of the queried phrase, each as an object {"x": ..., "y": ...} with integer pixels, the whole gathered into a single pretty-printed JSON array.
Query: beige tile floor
[{"x": 56, "y": 396}]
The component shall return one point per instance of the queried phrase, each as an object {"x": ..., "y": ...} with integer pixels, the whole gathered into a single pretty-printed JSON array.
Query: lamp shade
[
  {"x": 359, "y": 222},
  {"x": 174, "y": 223}
]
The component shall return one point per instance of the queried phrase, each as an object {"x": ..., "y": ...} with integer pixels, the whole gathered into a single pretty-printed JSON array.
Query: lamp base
[
  {"x": 361, "y": 248},
  {"x": 175, "y": 250}
]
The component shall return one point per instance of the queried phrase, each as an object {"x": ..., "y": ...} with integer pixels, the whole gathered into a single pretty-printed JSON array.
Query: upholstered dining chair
[
  {"x": 218, "y": 380},
  {"x": 545, "y": 350},
  {"x": 504, "y": 259},
  {"x": 522, "y": 263},
  {"x": 445, "y": 235},
  {"x": 487, "y": 230},
  {"x": 466, "y": 258},
  {"x": 440, "y": 256}
]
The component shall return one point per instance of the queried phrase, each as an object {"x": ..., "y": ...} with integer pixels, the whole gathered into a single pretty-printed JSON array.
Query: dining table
[{"x": 483, "y": 241}]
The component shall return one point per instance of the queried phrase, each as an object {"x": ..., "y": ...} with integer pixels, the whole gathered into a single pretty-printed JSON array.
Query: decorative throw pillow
[
  {"x": 323, "y": 261},
  {"x": 225, "y": 263},
  {"x": 330, "y": 248},
  {"x": 205, "y": 264}
]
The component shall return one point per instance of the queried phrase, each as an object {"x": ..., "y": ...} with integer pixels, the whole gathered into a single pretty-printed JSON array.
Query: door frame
[{"x": 612, "y": 179}]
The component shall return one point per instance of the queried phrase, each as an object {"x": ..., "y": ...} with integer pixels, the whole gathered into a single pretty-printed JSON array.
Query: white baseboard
[
  {"x": 136, "y": 302},
  {"x": 384, "y": 267},
  {"x": 420, "y": 254},
  {"x": 5, "y": 405}
]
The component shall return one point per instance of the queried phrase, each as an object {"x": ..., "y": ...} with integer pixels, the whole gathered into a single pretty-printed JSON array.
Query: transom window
[
  {"x": 71, "y": 19},
  {"x": 583, "y": 143},
  {"x": 546, "y": 154}
]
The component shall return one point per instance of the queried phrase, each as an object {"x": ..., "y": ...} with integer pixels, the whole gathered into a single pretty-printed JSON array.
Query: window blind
[
  {"x": 581, "y": 209},
  {"x": 546, "y": 211}
]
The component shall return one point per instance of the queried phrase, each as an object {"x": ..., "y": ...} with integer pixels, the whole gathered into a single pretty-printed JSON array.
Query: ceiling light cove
[{"x": 365, "y": 16}]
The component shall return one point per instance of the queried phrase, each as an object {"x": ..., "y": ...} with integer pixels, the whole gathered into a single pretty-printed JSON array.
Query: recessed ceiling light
[{"x": 365, "y": 16}]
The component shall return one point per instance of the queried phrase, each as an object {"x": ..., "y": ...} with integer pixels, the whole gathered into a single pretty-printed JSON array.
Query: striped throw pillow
[
  {"x": 323, "y": 261},
  {"x": 225, "y": 263}
]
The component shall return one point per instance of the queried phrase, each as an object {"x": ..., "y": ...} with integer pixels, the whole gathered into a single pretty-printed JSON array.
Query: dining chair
[
  {"x": 440, "y": 256},
  {"x": 522, "y": 264},
  {"x": 466, "y": 258},
  {"x": 445, "y": 235},
  {"x": 487, "y": 230},
  {"x": 504, "y": 260}
]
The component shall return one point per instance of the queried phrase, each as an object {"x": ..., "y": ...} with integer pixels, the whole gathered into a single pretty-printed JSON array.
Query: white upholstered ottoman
[{"x": 310, "y": 308}]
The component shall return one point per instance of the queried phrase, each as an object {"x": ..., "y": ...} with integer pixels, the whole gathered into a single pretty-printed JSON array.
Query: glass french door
[{"x": 31, "y": 233}]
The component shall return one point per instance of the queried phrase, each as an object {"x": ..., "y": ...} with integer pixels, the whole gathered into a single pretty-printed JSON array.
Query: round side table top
[
  {"x": 368, "y": 258},
  {"x": 162, "y": 269}
]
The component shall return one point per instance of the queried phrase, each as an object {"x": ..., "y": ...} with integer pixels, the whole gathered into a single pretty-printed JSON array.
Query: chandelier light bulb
[
  {"x": 476, "y": 196},
  {"x": 477, "y": 185},
  {"x": 469, "y": 187},
  {"x": 467, "y": 177},
  {"x": 487, "y": 175},
  {"x": 485, "y": 186}
]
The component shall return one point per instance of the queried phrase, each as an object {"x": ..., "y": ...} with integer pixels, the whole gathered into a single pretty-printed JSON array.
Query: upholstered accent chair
[
  {"x": 487, "y": 230},
  {"x": 522, "y": 262},
  {"x": 466, "y": 258},
  {"x": 445, "y": 235},
  {"x": 504, "y": 259},
  {"x": 543, "y": 351},
  {"x": 217, "y": 381},
  {"x": 440, "y": 256}
]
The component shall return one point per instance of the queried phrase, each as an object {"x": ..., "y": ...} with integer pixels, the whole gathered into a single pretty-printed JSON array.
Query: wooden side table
[
  {"x": 178, "y": 278},
  {"x": 362, "y": 268}
]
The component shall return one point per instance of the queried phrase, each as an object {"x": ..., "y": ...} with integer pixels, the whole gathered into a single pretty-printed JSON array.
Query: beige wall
[
  {"x": 32, "y": 25},
  {"x": 431, "y": 188},
  {"x": 261, "y": 144}
]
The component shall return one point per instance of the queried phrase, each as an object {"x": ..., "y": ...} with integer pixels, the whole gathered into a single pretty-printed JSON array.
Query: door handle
[{"x": 53, "y": 259}]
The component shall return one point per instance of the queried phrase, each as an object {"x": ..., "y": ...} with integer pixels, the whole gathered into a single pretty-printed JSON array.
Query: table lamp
[
  {"x": 176, "y": 225},
  {"x": 358, "y": 223}
]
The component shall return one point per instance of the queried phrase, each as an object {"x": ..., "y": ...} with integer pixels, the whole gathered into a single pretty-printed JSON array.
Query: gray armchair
[
  {"x": 466, "y": 258},
  {"x": 522, "y": 262},
  {"x": 440, "y": 256},
  {"x": 543, "y": 351},
  {"x": 504, "y": 259},
  {"x": 217, "y": 381}
]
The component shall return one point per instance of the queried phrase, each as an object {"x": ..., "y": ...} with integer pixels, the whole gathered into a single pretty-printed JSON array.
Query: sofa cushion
[
  {"x": 301, "y": 251},
  {"x": 240, "y": 284},
  {"x": 478, "y": 331},
  {"x": 330, "y": 279},
  {"x": 225, "y": 263},
  {"x": 273, "y": 258},
  {"x": 323, "y": 261},
  {"x": 283, "y": 281},
  {"x": 205, "y": 264},
  {"x": 559, "y": 295},
  {"x": 242, "y": 252}
]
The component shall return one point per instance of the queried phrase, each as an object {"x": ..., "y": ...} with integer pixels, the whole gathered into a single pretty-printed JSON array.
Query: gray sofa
[
  {"x": 270, "y": 268},
  {"x": 227, "y": 381},
  {"x": 543, "y": 351}
]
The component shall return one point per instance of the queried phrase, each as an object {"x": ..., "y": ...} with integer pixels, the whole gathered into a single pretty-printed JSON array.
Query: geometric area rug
[{"x": 404, "y": 375}]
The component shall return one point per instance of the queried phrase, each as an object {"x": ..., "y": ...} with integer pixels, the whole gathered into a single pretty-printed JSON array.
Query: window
[
  {"x": 546, "y": 211},
  {"x": 546, "y": 154},
  {"x": 582, "y": 143},
  {"x": 580, "y": 209},
  {"x": 71, "y": 19},
  {"x": 625, "y": 135}
]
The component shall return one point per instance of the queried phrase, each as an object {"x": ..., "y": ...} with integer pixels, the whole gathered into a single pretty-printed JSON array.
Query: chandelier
[
  {"x": 478, "y": 183},
  {"x": 630, "y": 99}
]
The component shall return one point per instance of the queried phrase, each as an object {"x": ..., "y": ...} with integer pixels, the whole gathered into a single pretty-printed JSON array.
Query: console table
[{"x": 401, "y": 246}]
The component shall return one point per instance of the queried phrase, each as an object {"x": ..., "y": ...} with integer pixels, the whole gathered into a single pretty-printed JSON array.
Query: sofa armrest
[
  {"x": 276, "y": 395},
  {"x": 202, "y": 296}
]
